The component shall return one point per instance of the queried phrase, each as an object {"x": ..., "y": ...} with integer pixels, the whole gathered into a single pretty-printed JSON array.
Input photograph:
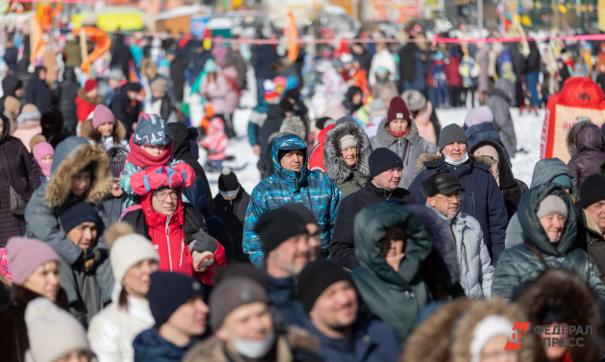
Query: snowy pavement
[{"x": 528, "y": 128}]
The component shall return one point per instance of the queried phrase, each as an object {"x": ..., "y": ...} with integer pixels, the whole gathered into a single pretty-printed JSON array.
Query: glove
[{"x": 201, "y": 261}]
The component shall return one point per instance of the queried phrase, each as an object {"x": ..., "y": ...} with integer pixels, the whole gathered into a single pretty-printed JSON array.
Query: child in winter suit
[{"x": 150, "y": 147}]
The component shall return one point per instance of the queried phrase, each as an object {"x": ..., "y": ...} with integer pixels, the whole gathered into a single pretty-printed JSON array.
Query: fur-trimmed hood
[
  {"x": 465, "y": 329},
  {"x": 335, "y": 166},
  {"x": 87, "y": 131},
  {"x": 71, "y": 156},
  {"x": 584, "y": 136},
  {"x": 431, "y": 160}
]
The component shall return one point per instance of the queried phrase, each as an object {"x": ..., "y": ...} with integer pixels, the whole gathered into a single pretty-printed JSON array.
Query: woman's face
[
  {"x": 48, "y": 159},
  {"x": 398, "y": 125},
  {"x": 349, "y": 156},
  {"x": 357, "y": 98},
  {"x": 45, "y": 280},
  {"x": 136, "y": 281},
  {"x": 105, "y": 129}
]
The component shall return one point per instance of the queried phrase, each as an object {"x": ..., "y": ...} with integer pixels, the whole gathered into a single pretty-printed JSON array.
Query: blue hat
[
  {"x": 168, "y": 291},
  {"x": 152, "y": 130},
  {"x": 77, "y": 214}
]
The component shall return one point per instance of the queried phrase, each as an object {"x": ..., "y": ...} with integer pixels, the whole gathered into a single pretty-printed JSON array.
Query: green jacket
[
  {"x": 522, "y": 264},
  {"x": 394, "y": 297}
]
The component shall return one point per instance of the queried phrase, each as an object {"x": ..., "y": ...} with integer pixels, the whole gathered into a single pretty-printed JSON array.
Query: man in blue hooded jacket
[{"x": 291, "y": 182}]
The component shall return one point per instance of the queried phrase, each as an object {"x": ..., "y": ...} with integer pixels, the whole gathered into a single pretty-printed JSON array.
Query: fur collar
[
  {"x": 88, "y": 132},
  {"x": 430, "y": 160},
  {"x": 58, "y": 187},
  {"x": 335, "y": 166}
]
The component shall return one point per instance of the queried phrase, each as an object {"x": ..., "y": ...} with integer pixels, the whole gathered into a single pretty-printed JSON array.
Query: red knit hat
[
  {"x": 398, "y": 110},
  {"x": 90, "y": 85}
]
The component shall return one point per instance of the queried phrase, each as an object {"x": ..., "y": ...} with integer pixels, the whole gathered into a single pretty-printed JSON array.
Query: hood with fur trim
[
  {"x": 87, "y": 131},
  {"x": 463, "y": 333},
  {"x": 335, "y": 166},
  {"x": 430, "y": 160},
  {"x": 71, "y": 156}
]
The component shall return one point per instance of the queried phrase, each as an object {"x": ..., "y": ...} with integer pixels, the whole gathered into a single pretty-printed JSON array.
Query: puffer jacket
[
  {"x": 316, "y": 160},
  {"x": 482, "y": 198},
  {"x": 544, "y": 172},
  {"x": 587, "y": 150},
  {"x": 525, "y": 262},
  {"x": 313, "y": 189},
  {"x": 53, "y": 197},
  {"x": 347, "y": 179},
  {"x": 394, "y": 297},
  {"x": 112, "y": 331},
  {"x": 409, "y": 148},
  {"x": 500, "y": 102}
]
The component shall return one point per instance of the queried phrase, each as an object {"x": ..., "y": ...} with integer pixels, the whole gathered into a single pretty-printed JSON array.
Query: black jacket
[
  {"x": 38, "y": 92},
  {"x": 232, "y": 214},
  {"x": 125, "y": 110},
  {"x": 342, "y": 249},
  {"x": 68, "y": 90},
  {"x": 120, "y": 54}
]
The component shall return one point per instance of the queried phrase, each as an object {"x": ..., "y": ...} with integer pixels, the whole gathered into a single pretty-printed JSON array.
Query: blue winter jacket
[
  {"x": 149, "y": 346},
  {"x": 310, "y": 188},
  {"x": 482, "y": 198}
]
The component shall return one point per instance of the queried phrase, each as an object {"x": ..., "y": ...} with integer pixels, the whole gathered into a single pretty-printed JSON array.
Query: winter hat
[
  {"x": 592, "y": 190},
  {"x": 450, "y": 134},
  {"x": 444, "y": 183},
  {"x": 347, "y": 141},
  {"x": 127, "y": 251},
  {"x": 117, "y": 159},
  {"x": 232, "y": 293},
  {"x": 159, "y": 85},
  {"x": 101, "y": 115},
  {"x": 398, "y": 110},
  {"x": 77, "y": 214},
  {"x": 563, "y": 181},
  {"x": 383, "y": 159},
  {"x": 487, "y": 150},
  {"x": 414, "y": 100},
  {"x": 488, "y": 328},
  {"x": 228, "y": 185},
  {"x": 90, "y": 85},
  {"x": 316, "y": 277},
  {"x": 168, "y": 291},
  {"x": 152, "y": 130},
  {"x": 550, "y": 205},
  {"x": 40, "y": 150},
  {"x": 26, "y": 255},
  {"x": 479, "y": 115},
  {"x": 52, "y": 332},
  {"x": 29, "y": 113},
  {"x": 278, "y": 225}
]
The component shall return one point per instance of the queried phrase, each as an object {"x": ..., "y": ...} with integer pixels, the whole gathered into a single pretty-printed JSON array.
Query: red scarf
[
  {"x": 399, "y": 134},
  {"x": 140, "y": 158}
]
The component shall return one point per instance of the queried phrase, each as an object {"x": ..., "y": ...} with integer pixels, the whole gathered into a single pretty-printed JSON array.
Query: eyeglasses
[{"x": 162, "y": 196}]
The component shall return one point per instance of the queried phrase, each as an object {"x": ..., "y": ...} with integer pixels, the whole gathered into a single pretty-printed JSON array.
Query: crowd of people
[{"x": 375, "y": 234}]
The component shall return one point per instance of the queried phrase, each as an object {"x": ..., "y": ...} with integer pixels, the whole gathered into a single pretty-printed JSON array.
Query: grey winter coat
[
  {"x": 409, "y": 148},
  {"x": 544, "y": 171},
  {"x": 348, "y": 180},
  {"x": 476, "y": 268},
  {"x": 499, "y": 103},
  {"x": 50, "y": 199}
]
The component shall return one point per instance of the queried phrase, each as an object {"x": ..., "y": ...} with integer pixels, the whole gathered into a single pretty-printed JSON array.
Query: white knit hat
[
  {"x": 128, "y": 250},
  {"x": 52, "y": 331}
]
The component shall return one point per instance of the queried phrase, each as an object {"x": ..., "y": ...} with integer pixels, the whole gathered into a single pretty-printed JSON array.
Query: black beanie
[
  {"x": 316, "y": 277},
  {"x": 592, "y": 190},
  {"x": 168, "y": 291},
  {"x": 227, "y": 181},
  {"x": 383, "y": 159},
  {"x": 444, "y": 183},
  {"x": 278, "y": 225},
  {"x": 77, "y": 214},
  {"x": 450, "y": 134}
]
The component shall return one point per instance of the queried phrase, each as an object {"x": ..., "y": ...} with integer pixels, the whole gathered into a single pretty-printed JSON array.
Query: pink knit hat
[
  {"x": 26, "y": 255},
  {"x": 40, "y": 150},
  {"x": 101, "y": 115}
]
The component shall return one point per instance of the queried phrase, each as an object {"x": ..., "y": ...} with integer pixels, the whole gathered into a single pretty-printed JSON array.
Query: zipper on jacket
[{"x": 167, "y": 231}]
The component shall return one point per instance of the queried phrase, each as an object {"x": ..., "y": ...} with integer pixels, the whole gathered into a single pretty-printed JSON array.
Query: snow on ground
[{"x": 528, "y": 128}]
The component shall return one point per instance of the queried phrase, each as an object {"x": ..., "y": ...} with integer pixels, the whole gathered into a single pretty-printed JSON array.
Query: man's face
[
  {"x": 293, "y": 160},
  {"x": 447, "y": 206},
  {"x": 349, "y": 156},
  {"x": 165, "y": 201},
  {"x": 389, "y": 179},
  {"x": 19, "y": 92},
  {"x": 336, "y": 307},
  {"x": 553, "y": 225},
  {"x": 190, "y": 318},
  {"x": 290, "y": 256},
  {"x": 596, "y": 212},
  {"x": 83, "y": 235},
  {"x": 250, "y": 322},
  {"x": 80, "y": 183},
  {"x": 116, "y": 190},
  {"x": 455, "y": 151}
]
